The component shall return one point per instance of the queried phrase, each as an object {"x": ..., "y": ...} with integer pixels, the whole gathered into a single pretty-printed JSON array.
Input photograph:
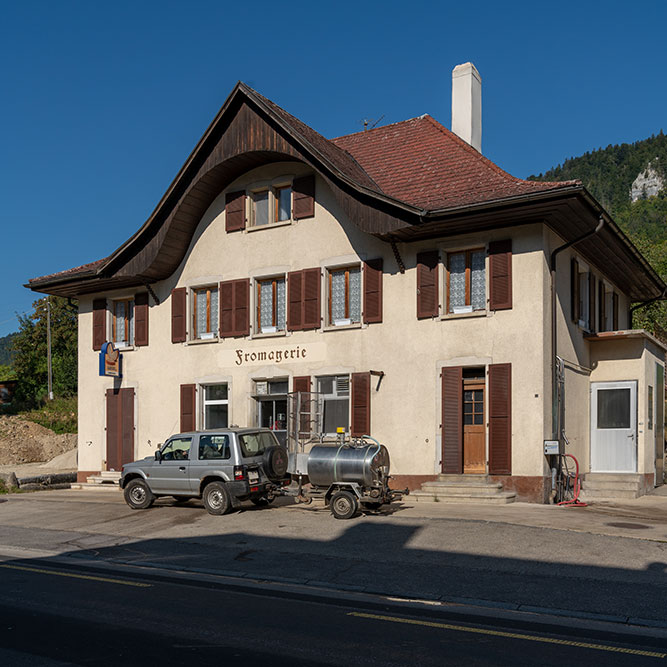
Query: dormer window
[{"x": 271, "y": 205}]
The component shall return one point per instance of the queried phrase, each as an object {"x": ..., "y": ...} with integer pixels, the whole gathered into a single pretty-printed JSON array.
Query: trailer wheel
[{"x": 344, "y": 505}]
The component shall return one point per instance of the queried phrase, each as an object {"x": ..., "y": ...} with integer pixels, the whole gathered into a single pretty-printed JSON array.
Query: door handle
[{"x": 182, "y": 468}]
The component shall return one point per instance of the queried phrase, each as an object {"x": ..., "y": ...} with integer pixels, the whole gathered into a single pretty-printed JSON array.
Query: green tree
[{"x": 30, "y": 352}]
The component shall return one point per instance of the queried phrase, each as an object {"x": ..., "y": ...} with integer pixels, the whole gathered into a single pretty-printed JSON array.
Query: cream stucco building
[{"x": 398, "y": 275}]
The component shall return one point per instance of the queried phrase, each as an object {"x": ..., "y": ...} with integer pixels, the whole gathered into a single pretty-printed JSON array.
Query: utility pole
[{"x": 48, "y": 345}]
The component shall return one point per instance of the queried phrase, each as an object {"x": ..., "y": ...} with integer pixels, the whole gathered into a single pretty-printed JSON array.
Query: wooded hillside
[{"x": 608, "y": 173}]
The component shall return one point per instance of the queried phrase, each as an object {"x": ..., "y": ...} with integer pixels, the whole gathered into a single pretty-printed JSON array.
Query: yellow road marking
[
  {"x": 509, "y": 635},
  {"x": 106, "y": 580}
]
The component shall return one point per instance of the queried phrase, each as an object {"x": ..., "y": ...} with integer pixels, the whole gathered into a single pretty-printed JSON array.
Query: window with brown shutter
[
  {"x": 235, "y": 211},
  {"x": 500, "y": 419},
  {"x": 574, "y": 290},
  {"x": 427, "y": 284},
  {"x": 591, "y": 303},
  {"x": 99, "y": 323},
  {"x": 235, "y": 308},
  {"x": 178, "y": 319},
  {"x": 188, "y": 407},
  {"x": 452, "y": 420},
  {"x": 373, "y": 291},
  {"x": 141, "y": 319},
  {"x": 361, "y": 405},
  {"x": 303, "y": 300},
  {"x": 614, "y": 306},
  {"x": 602, "y": 315},
  {"x": 303, "y": 195},
  {"x": 500, "y": 275}
]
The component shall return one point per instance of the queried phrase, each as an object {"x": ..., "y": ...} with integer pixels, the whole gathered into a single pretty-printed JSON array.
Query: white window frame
[
  {"x": 257, "y": 328},
  {"x": 468, "y": 307},
  {"x": 328, "y": 272},
  {"x": 214, "y": 317},
  {"x": 129, "y": 342},
  {"x": 273, "y": 201},
  {"x": 219, "y": 401},
  {"x": 335, "y": 397}
]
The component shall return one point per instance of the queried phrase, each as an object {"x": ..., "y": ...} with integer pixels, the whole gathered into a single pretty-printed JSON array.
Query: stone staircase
[
  {"x": 610, "y": 486},
  {"x": 107, "y": 480},
  {"x": 463, "y": 489}
]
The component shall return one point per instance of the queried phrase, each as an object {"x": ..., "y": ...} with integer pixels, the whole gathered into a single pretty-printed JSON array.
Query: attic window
[{"x": 271, "y": 205}]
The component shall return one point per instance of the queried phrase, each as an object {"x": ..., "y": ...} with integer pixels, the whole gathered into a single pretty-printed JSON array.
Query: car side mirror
[{"x": 158, "y": 455}]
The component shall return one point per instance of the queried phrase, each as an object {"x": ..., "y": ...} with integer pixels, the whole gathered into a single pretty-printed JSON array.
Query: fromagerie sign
[{"x": 276, "y": 354}]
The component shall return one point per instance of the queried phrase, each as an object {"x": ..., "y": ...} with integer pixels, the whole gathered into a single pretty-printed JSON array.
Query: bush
[{"x": 59, "y": 415}]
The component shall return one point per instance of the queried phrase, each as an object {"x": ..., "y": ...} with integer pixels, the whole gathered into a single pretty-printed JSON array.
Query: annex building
[{"x": 459, "y": 315}]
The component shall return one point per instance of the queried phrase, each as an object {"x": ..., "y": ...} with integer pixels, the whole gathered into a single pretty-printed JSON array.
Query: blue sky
[{"x": 102, "y": 102}]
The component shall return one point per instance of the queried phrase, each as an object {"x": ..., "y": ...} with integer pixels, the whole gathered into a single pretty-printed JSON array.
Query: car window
[
  {"x": 177, "y": 449},
  {"x": 255, "y": 444},
  {"x": 214, "y": 447}
]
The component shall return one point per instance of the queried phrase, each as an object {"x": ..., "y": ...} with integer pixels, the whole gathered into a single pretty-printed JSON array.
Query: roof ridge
[
  {"x": 381, "y": 127},
  {"x": 473, "y": 151}
]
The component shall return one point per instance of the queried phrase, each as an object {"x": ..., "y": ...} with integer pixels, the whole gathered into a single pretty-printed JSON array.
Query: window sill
[
  {"x": 271, "y": 225},
  {"x": 270, "y": 334},
  {"x": 462, "y": 316},
  {"x": 342, "y": 327},
  {"x": 202, "y": 341},
  {"x": 122, "y": 347}
]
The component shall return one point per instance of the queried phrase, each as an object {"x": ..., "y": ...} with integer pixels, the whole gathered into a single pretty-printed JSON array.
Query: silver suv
[{"x": 222, "y": 467}]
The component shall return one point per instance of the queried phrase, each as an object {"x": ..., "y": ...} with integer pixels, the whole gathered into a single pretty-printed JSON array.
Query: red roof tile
[
  {"x": 84, "y": 268},
  {"x": 424, "y": 164}
]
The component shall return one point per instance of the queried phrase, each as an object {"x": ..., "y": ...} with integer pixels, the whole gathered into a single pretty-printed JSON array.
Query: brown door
[
  {"x": 474, "y": 432},
  {"x": 120, "y": 427}
]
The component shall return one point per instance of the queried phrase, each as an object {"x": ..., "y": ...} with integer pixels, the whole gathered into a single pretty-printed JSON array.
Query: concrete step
[
  {"x": 612, "y": 477},
  {"x": 607, "y": 495},
  {"x": 110, "y": 474},
  {"x": 92, "y": 486},
  {"x": 461, "y": 489},
  {"x": 596, "y": 485},
  {"x": 477, "y": 480},
  {"x": 500, "y": 498},
  {"x": 106, "y": 477}
]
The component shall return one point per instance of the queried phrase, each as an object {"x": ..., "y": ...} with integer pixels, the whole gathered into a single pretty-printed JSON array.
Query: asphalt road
[{"x": 52, "y": 614}]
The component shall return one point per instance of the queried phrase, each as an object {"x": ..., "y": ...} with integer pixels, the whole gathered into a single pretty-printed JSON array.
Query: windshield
[{"x": 255, "y": 444}]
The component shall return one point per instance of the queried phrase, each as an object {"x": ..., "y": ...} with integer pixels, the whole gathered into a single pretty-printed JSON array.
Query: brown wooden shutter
[
  {"x": 361, "y": 405},
  {"x": 591, "y": 303},
  {"x": 127, "y": 426},
  {"x": 294, "y": 300},
  {"x": 303, "y": 194},
  {"x": 235, "y": 211},
  {"x": 178, "y": 319},
  {"x": 500, "y": 275},
  {"x": 602, "y": 314},
  {"x": 574, "y": 290},
  {"x": 500, "y": 419},
  {"x": 312, "y": 313},
  {"x": 373, "y": 290},
  {"x": 302, "y": 384},
  {"x": 226, "y": 296},
  {"x": 141, "y": 319},
  {"x": 113, "y": 428},
  {"x": 242, "y": 307},
  {"x": 615, "y": 312},
  {"x": 452, "y": 420},
  {"x": 188, "y": 409},
  {"x": 427, "y": 284},
  {"x": 99, "y": 323},
  {"x": 234, "y": 308}
]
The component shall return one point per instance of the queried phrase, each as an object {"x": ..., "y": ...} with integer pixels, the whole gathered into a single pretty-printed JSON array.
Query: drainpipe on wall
[{"x": 556, "y": 427}]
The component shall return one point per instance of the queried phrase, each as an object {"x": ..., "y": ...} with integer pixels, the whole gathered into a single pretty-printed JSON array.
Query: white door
[{"x": 614, "y": 426}]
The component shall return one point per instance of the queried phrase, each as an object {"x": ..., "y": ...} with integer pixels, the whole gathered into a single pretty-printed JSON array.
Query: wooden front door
[
  {"x": 120, "y": 428},
  {"x": 474, "y": 430}
]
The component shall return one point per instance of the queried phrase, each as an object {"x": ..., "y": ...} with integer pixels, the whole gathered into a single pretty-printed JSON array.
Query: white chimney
[{"x": 467, "y": 104}]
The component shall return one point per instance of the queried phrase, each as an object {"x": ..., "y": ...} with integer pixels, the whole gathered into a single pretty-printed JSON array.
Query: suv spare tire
[{"x": 275, "y": 462}]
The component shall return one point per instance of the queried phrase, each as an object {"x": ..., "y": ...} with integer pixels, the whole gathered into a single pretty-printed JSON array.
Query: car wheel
[
  {"x": 275, "y": 462},
  {"x": 344, "y": 505},
  {"x": 216, "y": 498},
  {"x": 138, "y": 494}
]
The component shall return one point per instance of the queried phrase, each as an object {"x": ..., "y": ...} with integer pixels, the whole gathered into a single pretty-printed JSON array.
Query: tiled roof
[
  {"x": 424, "y": 164},
  {"x": 84, "y": 268}
]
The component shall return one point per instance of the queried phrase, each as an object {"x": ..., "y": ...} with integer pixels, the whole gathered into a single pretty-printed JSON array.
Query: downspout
[
  {"x": 556, "y": 428},
  {"x": 643, "y": 304}
]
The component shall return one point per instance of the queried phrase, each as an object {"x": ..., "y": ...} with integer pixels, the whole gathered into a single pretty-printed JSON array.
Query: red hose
[{"x": 577, "y": 487}]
